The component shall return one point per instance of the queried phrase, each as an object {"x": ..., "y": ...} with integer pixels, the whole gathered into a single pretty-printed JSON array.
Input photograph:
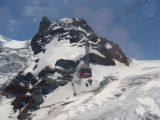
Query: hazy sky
[{"x": 138, "y": 34}]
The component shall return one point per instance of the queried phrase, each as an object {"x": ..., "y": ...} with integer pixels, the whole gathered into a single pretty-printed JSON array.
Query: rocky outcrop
[
  {"x": 114, "y": 52},
  {"x": 29, "y": 90},
  {"x": 96, "y": 59},
  {"x": 67, "y": 64},
  {"x": 39, "y": 39}
]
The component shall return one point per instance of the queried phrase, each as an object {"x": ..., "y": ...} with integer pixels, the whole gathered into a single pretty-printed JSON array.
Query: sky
[{"x": 138, "y": 33}]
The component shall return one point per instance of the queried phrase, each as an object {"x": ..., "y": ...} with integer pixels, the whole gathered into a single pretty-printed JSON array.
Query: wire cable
[{"x": 128, "y": 11}]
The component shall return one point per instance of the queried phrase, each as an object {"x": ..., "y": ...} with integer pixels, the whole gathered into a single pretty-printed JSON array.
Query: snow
[
  {"x": 54, "y": 53},
  {"x": 66, "y": 20},
  {"x": 153, "y": 107},
  {"x": 12, "y": 52},
  {"x": 55, "y": 76},
  {"x": 16, "y": 44},
  {"x": 151, "y": 84},
  {"x": 6, "y": 109},
  {"x": 99, "y": 40},
  {"x": 140, "y": 111},
  {"x": 97, "y": 53},
  {"x": 2, "y": 39},
  {"x": 13, "y": 44},
  {"x": 81, "y": 29},
  {"x": 116, "y": 118},
  {"x": 47, "y": 36},
  {"x": 89, "y": 105},
  {"x": 61, "y": 93},
  {"x": 28, "y": 94},
  {"x": 93, "y": 87},
  {"x": 56, "y": 27},
  {"x": 61, "y": 117},
  {"x": 108, "y": 46}
]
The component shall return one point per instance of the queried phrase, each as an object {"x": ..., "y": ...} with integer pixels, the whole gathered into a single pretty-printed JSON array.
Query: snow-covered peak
[
  {"x": 75, "y": 31},
  {"x": 58, "y": 57}
]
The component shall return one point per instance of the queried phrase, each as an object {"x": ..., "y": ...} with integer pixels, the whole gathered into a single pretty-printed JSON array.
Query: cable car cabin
[{"x": 85, "y": 73}]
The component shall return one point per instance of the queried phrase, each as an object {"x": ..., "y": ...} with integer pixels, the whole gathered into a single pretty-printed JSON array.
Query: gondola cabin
[{"x": 85, "y": 73}]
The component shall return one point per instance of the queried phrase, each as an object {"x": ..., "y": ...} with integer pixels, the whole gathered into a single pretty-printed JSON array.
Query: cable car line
[{"x": 128, "y": 11}]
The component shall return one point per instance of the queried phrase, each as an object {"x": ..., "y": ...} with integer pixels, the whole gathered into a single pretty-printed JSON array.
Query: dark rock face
[
  {"x": 50, "y": 75},
  {"x": 113, "y": 53},
  {"x": 42, "y": 32},
  {"x": 45, "y": 23},
  {"x": 48, "y": 80},
  {"x": 27, "y": 92},
  {"x": 20, "y": 84},
  {"x": 95, "y": 59},
  {"x": 67, "y": 64}
]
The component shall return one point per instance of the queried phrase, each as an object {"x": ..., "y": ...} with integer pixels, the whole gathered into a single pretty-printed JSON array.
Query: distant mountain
[{"x": 14, "y": 57}]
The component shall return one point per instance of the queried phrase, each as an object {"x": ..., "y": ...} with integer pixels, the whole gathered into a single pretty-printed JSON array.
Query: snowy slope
[
  {"x": 133, "y": 96},
  {"x": 54, "y": 53},
  {"x": 14, "y": 57},
  {"x": 9, "y": 43},
  {"x": 6, "y": 109}
]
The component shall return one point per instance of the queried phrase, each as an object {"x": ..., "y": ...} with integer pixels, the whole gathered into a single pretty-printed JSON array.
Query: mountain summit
[{"x": 76, "y": 31}]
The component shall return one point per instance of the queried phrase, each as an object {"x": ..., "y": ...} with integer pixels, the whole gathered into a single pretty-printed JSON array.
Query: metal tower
[{"x": 87, "y": 51}]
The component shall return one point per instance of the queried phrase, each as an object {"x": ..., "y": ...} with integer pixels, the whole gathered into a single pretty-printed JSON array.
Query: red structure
[{"x": 85, "y": 73}]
